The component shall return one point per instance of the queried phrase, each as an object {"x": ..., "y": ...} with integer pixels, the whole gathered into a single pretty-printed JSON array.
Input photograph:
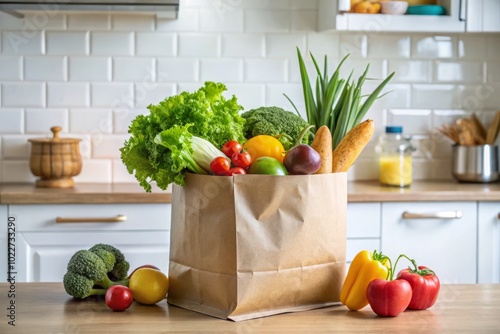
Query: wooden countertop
[
  {"x": 358, "y": 191},
  {"x": 46, "y": 308},
  {"x": 85, "y": 193}
]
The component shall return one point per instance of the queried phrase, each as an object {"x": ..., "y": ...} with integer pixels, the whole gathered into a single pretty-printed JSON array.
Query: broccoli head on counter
[
  {"x": 274, "y": 121},
  {"x": 92, "y": 272}
]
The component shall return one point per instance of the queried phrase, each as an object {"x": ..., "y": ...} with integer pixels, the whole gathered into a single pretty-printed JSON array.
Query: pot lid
[{"x": 55, "y": 139}]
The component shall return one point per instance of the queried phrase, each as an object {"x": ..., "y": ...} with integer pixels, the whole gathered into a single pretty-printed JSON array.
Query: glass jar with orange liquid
[{"x": 395, "y": 157}]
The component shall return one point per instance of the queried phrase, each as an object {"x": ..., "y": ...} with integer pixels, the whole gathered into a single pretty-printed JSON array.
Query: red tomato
[
  {"x": 388, "y": 298},
  {"x": 220, "y": 165},
  {"x": 242, "y": 159},
  {"x": 236, "y": 170},
  {"x": 424, "y": 284},
  {"x": 231, "y": 147},
  {"x": 118, "y": 297}
]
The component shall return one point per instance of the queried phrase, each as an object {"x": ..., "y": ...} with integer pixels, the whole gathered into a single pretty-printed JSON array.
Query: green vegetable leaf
[
  {"x": 335, "y": 102},
  {"x": 205, "y": 113}
]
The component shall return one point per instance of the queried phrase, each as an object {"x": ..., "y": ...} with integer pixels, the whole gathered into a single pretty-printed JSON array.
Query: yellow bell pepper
[
  {"x": 264, "y": 146},
  {"x": 365, "y": 267}
]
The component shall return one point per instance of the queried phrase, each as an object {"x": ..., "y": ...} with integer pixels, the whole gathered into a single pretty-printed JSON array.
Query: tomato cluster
[
  {"x": 414, "y": 288},
  {"x": 235, "y": 161}
]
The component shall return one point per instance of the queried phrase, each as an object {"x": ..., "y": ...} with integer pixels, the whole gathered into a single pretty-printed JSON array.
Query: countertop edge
[{"x": 358, "y": 191}]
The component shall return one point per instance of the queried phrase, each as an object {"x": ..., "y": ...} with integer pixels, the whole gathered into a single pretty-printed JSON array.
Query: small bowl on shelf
[{"x": 393, "y": 7}]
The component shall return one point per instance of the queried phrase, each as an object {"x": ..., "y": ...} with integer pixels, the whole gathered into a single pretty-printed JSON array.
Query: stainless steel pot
[{"x": 477, "y": 164}]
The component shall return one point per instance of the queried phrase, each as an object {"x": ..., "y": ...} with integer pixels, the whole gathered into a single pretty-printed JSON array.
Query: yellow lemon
[{"x": 149, "y": 286}]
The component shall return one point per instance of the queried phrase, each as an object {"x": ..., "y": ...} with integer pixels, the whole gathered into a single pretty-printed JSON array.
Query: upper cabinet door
[
  {"x": 483, "y": 16},
  {"x": 331, "y": 17}
]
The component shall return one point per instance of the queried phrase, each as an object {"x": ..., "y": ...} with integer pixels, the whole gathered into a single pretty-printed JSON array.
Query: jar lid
[
  {"x": 55, "y": 139},
  {"x": 394, "y": 129}
]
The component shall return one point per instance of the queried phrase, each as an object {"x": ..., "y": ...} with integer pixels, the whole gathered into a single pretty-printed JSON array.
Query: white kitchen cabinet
[
  {"x": 446, "y": 245},
  {"x": 4, "y": 231},
  {"x": 488, "y": 242},
  {"x": 330, "y": 16},
  {"x": 483, "y": 16},
  {"x": 363, "y": 228},
  {"x": 44, "y": 246}
]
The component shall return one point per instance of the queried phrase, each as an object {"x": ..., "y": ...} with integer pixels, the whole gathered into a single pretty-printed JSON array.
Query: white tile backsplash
[
  {"x": 221, "y": 19},
  {"x": 155, "y": 44},
  {"x": 67, "y": 42},
  {"x": 23, "y": 94},
  {"x": 93, "y": 74},
  {"x": 89, "y": 68},
  {"x": 39, "y": 68},
  {"x": 266, "y": 70},
  {"x": 411, "y": 70},
  {"x": 134, "y": 69},
  {"x": 433, "y": 96},
  {"x": 68, "y": 94},
  {"x": 12, "y": 120},
  {"x": 243, "y": 45},
  {"x": 198, "y": 45},
  {"x": 439, "y": 46},
  {"x": 11, "y": 68},
  {"x": 223, "y": 70},
  {"x": 104, "y": 147},
  {"x": 95, "y": 170},
  {"x": 16, "y": 147},
  {"x": 177, "y": 69},
  {"x": 16, "y": 171},
  {"x": 20, "y": 42},
  {"x": 381, "y": 45},
  {"x": 267, "y": 20},
  {"x": 284, "y": 45},
  {"x": 94, "y": 121},
  {"x": 249, "y": 96},
  {"x": 40, "y": 121},
  {"x": 112, "y": 43},
  {"x": 459, "y": 72},
  {"x": 112, "y": 95}
]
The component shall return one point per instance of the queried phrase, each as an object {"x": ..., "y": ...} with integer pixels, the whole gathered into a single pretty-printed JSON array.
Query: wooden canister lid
[{"x": 55, "y": 139}]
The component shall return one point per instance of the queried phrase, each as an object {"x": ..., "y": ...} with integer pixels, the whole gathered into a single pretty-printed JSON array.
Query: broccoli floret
[
  {"x": 107, "y": 257},
  {"x": 121, "y": 267},
  {"x": 80, "y": 286},
  {"x": 91, "y": 266},
  {"x": 275, "y": 121},
  {"x": 88, "y": 273}
]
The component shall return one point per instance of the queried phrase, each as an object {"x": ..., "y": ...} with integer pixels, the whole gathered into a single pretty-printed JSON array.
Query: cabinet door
[
  {"x": 446, "y": 245},
  {"x": 43, "y": 257},
  {"x": 48, "y": 235},
  {"x": 4, "y": 241},
  {"x": 363, "y": 228},
  {"x": 483, "y": 16},
  {"x": 488, "y": 242}
]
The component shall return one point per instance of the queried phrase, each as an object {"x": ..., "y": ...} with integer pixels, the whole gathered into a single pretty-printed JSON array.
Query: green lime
[{"x": 267, "y": 165}]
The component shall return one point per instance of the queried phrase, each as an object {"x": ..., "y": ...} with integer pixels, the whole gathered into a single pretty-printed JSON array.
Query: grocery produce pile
[
  {"x": 186, "y": 133},
  {"x": 103, "y": 270}
]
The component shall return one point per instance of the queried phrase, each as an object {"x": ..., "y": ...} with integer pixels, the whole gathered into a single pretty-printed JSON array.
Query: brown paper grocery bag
[{"x": 249, "y": 246}]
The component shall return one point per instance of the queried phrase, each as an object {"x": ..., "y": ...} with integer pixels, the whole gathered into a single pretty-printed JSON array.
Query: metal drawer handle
[
  {"x": 117, "y": 219},
  {"x": 433, "y": 215}
]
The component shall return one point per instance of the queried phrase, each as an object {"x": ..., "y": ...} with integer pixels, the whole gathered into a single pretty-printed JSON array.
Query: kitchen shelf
[{"x": 331, "y": 19}]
